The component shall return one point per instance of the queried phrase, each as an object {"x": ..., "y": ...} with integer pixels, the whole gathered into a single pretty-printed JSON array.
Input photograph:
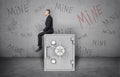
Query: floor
[{"x": 85, "y": 67}]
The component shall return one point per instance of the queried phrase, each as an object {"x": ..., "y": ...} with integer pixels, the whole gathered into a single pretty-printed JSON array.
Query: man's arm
[{"x": 48, "y": 24}]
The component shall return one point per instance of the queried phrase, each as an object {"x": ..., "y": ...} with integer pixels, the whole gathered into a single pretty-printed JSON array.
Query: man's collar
[{"x": 48, "y": 15}]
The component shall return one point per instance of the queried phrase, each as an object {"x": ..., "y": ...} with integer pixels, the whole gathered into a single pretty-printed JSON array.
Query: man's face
[{"x": 46, "y": 13}]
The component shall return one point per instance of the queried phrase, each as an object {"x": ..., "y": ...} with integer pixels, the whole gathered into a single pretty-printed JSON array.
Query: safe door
[{"x": 59, "y": 52}]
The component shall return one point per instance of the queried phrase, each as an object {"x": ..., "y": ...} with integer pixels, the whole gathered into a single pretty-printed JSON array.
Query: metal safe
[{"x": 59, "y": 52}]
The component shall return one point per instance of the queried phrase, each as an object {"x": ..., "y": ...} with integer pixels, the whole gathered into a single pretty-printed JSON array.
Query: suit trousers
[{"x": 40, "y": 36}]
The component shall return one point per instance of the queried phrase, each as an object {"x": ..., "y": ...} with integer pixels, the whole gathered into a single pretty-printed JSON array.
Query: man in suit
[{"x": 47, "y": 30}]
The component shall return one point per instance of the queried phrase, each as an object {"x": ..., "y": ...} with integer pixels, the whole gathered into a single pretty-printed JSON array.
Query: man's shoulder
[{"x": 50, "y": 17}]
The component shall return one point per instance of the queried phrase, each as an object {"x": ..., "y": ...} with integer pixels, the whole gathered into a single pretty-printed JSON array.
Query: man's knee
[
  {"x": 49, "y": 32},
  {"x": 41, "y": 34}
]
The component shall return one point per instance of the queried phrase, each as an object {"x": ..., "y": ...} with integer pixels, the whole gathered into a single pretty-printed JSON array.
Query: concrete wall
[{"x": 96, "y": 24}]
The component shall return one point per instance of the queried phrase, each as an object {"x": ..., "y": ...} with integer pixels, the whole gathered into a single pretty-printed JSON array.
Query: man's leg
[
  {"x": 48, "y": 32},
  {"x": 40, "y": 41}
]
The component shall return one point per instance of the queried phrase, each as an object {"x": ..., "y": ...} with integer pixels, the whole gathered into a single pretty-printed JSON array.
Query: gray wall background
[{"x": 96, "y": 24}]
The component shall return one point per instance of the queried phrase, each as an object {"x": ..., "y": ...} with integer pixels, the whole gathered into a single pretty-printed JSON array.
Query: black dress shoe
[{"x": 38, "y": 49}]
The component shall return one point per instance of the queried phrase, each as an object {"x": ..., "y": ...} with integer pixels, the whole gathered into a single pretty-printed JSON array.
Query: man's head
[{"x": 47, "y": 12}]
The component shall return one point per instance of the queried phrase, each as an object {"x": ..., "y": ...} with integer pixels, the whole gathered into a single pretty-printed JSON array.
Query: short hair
[{"x": 48, "y": 10}]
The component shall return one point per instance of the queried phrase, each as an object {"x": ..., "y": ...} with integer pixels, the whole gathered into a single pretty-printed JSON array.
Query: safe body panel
[{"x": 59, "y": 52}]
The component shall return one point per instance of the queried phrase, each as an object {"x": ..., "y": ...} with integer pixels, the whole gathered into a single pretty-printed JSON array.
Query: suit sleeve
[{"x": 48, "y": 24}]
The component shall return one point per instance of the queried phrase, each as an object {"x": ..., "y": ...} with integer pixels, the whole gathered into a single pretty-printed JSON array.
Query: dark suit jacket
[{"x": 49, "y": 24}]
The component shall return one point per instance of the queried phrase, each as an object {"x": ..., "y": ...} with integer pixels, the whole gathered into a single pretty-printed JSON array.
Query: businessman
[{"x": 47, "y": 30}]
